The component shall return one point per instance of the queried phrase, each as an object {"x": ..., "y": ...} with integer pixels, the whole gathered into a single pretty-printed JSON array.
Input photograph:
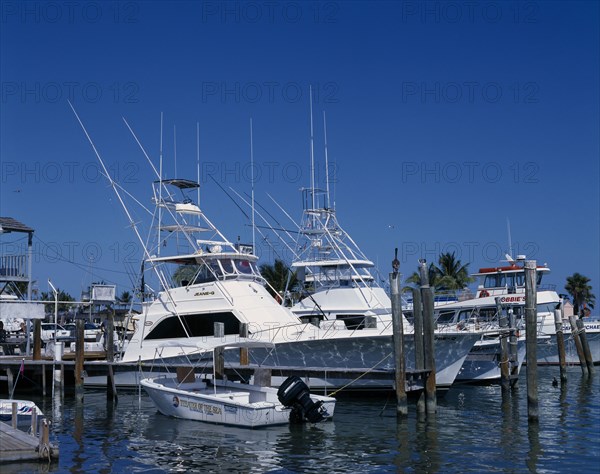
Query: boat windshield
[
  {"x": 211, "y": 270},
  {"x": 338, "y": 276},
  {"x": 503, "y": 280}
]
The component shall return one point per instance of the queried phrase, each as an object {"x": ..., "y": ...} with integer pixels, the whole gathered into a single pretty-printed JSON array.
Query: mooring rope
[{"x": 360, "y": 376}]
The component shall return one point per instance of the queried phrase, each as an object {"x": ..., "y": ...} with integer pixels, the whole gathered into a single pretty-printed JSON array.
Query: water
[{"x": 474, "y": 431}]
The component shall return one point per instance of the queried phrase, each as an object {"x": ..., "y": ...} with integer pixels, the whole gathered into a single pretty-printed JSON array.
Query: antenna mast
[
  {"x": 198, "y": 158},
  {"x": 510, "y": 250},
  {"x": 175, "y": 148},
  {"x": 312, "y": 155},
  {"x": 160, "y": 175},
  {"x": 326, "y": 160},
  {"x": 252, "y": 171}
]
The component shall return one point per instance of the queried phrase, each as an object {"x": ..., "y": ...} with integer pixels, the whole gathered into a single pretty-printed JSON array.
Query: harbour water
[{"x": 473, "y": 431}]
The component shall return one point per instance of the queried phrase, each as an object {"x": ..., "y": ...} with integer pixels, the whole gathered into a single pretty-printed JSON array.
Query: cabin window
[
  {"x": 491, "y": 281},
  {"x": 520, "y": 279},
  {"x": 465, "y": 315},
  {"x": 197, "y": 325},
  {"x": 204, "y": 274},
  {"x": 244, "y": 267},
  {"x": 227, "y": 266},
  {"x": 546, "y": 308},
  {"x": 445, "y": 317},
  {"x": 487, "y": 314}
]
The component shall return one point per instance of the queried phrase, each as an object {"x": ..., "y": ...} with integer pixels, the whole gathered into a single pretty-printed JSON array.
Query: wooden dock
[
  {"x": 16, "y": 445},
  {"x": 41, "y": 372}
]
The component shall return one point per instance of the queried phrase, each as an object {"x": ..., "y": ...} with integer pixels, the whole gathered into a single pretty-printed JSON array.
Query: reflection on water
[{"x": 476, "y": 429}]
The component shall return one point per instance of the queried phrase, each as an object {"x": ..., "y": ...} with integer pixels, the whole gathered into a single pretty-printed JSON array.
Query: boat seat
[
  {"x": 240, "y": 397},
  {"x": 262, "y": 405}
]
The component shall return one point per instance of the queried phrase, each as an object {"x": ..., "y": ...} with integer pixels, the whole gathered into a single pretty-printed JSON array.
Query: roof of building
[{"x": 8, "y": 224}]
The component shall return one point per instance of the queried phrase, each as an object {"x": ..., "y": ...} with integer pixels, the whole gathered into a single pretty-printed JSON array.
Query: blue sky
[{"x": 444, "y": 119}]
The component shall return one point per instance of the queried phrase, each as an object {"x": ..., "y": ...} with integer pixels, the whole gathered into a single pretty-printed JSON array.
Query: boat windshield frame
[{"x": 214, "y": 267}]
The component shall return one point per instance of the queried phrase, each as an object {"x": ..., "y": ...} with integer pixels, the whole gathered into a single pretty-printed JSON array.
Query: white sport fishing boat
[
  {"x": 196, "y": 397},
  {"x": 204, "y": 279},
  {"x": 507, "y": 283}
]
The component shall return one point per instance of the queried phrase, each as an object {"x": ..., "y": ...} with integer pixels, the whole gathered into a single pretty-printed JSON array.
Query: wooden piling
[
  {"x": 398, "y": 338},
  {"x": 585, "y": 346},
  {"x": 79, "y": 357},
  {"x": 418, "y": 341},
  {"x": 418, "y": 329},
  {"x": 219, "y": 353},
  {"x": 531, "y": 342},
  {"x": 578, "y": 346},
  {"x": 244, "y": 359},
  {"x": 513, "y": 342},
  {"x": 560, "y": 344},
  {"x": 428, "y": 340},
  {"x": 14, "y": 415},
  {"x": 109, "y": 342},
  {"x": 37, "y": 339},
  {"x": 504, "y": 348}
]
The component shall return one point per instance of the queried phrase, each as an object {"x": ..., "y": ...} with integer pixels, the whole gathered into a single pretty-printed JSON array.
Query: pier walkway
[{"x": 16, "y": 445}]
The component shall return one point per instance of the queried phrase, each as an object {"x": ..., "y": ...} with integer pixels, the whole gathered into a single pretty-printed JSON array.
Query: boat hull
[
  {"x": 229, "y": 404},
  {"x": 547, "y": 349},
  {"x": 482, "y": 365}
]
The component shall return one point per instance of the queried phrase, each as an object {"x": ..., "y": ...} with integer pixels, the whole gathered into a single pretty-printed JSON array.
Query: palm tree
[
  {"x": 415, "y": 278},
  {"x": 449, "y": 274},
  {"x": 125, "y": 298},
  {"x": 453, "y": 275},
  {"x": 581, "y": 292},
  {"x": 62, "y": 296},
  {"x": 277, "y": 277}
]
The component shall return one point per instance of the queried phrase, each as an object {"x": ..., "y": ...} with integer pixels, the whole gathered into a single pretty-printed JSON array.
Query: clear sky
[{"x": 444, "y": 120}]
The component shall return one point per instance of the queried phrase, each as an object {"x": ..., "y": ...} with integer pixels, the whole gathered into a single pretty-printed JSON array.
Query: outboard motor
[{"x": 294, "y": 394}]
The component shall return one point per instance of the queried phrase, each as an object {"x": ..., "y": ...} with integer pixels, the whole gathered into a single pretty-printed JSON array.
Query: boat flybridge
[
  {"x": 202, "y": 280},
  {"x": 507, "y": 283},
  {"x": 335, "y": 276}
]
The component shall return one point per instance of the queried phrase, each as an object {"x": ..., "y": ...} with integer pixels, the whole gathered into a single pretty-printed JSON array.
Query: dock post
[
  {"x": 219, "y": 354},
  {"x": 398, "y": 338},
  {"x": 37, "y": 339},
  {"x": 428, "y": 338},
  {"x": 79, "y": 356},
  {"x": 109, "y": 342},
  {"x": 578, "y": 345},
  {"x": 503, "y": 335},
  {"x": 244, "y": 359},
  {"x": 15, "y": 414},
  {"x": 560, "y": 344},
  {"x": 531, "y": 335},
  {"x": 418, "y": 335},
  {"x": 585, "y": 346},
  {"x": 34, "y": 420},
  {"x": 513, "y": 341}
]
